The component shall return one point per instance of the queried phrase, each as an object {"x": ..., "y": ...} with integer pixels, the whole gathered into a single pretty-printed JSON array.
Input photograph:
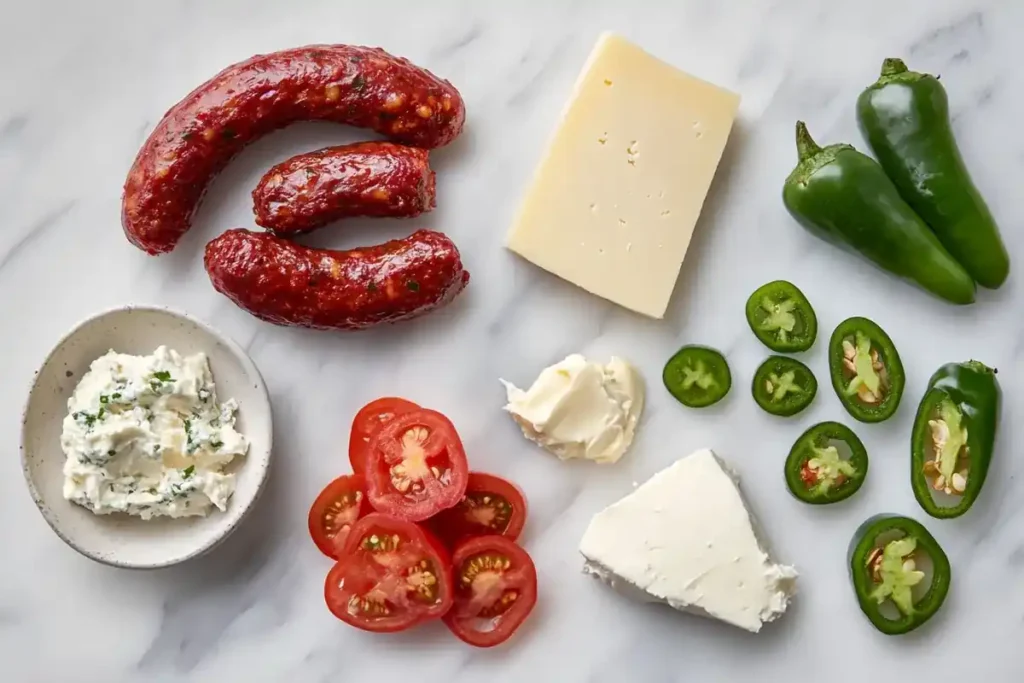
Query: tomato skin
[
  {"x": 356, "y": 562},
  {"x": 368, "y": 421},
  {"x": 521, "y": 576},
  {"x": 441, "y": 448},
  {"x": 455, "y": 524},
  {"x": 345, "y": 485}
]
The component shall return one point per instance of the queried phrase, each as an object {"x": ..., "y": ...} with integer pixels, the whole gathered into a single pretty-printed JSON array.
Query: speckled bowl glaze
[{"x": 120, "y": 540}]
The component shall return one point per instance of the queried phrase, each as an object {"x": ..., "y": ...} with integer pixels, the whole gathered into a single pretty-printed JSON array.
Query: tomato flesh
[
  {"x": 390, "y": 576},
  {"x": 368, "y": 421},
  {"x": 491, "y": 505},
  {"x": 335, "y": 510},
  {"x": 416, "y": 466},
  {"x": 495, "y": 590}
]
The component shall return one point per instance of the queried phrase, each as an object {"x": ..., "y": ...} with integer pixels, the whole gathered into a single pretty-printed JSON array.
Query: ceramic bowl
[{"x": 121, "y": 540}]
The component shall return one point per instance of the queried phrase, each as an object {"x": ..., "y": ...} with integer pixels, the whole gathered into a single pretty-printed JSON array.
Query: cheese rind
[
  {"x": 615, "y": 200},
  {"x": 685, "y": 538}
]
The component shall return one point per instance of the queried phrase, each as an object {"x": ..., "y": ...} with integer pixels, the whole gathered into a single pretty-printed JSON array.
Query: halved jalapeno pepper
[
  {"x": 781, "y": 317},
  {"x": 954, "y": 438},
  {"x": 697, "y": 376},
  {"x": 900, "y": 573},
  {"x": 827, "y": 464},
  {"x": 783, "y": 386},
  {"x": 866, "y": 370}
]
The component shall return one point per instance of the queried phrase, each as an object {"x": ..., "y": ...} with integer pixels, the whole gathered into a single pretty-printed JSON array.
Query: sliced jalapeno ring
[
  {"x": 697, "y": 376},
  {"x": 781, "y": 317},
  {"x": 827, "y": 464},
  {"x": 900, "y": 574},
  {"x": 954, "y": 438},
  {"x": 866, "y": 370},
  {"x": 783, "y": 386}
]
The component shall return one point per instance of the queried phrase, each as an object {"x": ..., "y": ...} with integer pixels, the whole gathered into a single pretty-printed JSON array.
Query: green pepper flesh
[
  {"x": 783, "y": 386},
  {"x": 697, "y": 376},
  {"x": 886, "y": 570},
  {"x": 862, "y": 390},
  {"x": 960, "y": 414},
  {"x": 781, "y": 317},
  {"x": 814, "y": 472}
]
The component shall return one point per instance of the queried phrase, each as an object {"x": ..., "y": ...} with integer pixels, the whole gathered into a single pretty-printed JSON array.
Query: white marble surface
[{"x": 84, "y": 84}]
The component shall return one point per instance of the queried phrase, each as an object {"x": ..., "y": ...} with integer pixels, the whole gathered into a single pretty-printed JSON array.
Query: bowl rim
[{"x": 250, "y": 369}]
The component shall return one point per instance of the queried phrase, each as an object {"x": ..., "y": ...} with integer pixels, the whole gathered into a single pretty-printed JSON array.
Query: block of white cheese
[
  {"x": 614, "y": 202},
  {"x": 685, "y": 538},
  {"x": 580, "y": 409}
]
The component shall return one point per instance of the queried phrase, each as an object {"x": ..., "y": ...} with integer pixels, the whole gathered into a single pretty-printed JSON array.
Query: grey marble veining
[{"x": 84, "y": 83}]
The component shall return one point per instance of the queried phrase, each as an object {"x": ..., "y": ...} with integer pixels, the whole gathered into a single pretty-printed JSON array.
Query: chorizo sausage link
[
  {"x": 288, "y": 284},
  {"x": 359, "y": 86},
  {"x": 365, "y": 179}
]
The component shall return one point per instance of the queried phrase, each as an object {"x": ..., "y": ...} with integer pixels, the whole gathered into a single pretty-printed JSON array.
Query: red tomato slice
[
  {"x": 335, "y": 510},
  {"x": 495, "y": 590},
  {"x": 491, "y": 505},
  {"x": 416, "y": 466},
  {"x": 367, "y": 421},
  {"x": 390, "y": 576}
]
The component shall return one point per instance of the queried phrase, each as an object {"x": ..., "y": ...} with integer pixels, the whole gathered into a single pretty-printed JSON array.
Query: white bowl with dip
[{"x": 117, "y": 539}]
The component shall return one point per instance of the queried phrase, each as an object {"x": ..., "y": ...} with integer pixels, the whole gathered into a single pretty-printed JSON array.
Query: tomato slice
[
  {"x": 335, "y": 510},
  {"x": 495, "y": 590},
  {"x": 367, "y": 421},
  {"x": 416, "y": 466},
  {"x": 390, "y": 576},
  {"x": 491, "y": 505}
]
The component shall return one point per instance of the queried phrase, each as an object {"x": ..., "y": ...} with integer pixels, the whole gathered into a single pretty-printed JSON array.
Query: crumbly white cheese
[
  {"x": 145, "y": 435},
  {"x": 685, "y": 538},
  {"x": 580, "y": 409}
]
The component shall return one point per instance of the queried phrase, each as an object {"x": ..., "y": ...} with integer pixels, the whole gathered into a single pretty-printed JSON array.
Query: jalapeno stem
[
  {"x": 892, "y": 66},
  {"x": 806, "y": 147}
]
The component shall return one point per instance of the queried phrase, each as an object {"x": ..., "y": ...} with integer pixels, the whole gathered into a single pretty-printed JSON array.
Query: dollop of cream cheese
[
  {"x": 580, "y": 409},
  {"x": 146, "y": 436}
]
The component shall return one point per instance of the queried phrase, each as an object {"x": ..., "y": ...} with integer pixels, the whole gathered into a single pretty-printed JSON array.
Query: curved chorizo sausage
[
  {"x": 365, "y": 179},
  {"x": 359, "y": 86},
  {"x": 288, "y": 284}
]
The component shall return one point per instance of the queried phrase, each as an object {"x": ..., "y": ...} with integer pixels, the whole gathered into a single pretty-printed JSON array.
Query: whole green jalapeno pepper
[
  {"x": 905, "y": 118},
  {"x": 845, "y": 198}
]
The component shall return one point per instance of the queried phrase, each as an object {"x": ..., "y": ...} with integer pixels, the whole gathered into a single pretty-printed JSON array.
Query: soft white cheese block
[
  {"x": 614, "y": 201},
  {"x": 685, "y": 538},
  {"x": 580, "y": 409}
]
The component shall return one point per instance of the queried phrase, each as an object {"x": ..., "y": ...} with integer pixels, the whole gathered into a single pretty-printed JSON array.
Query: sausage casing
[
  {"x": 289, "y": 284},
  {"x": 359, "y": 86},
  {"x": 379, "y": 179}
]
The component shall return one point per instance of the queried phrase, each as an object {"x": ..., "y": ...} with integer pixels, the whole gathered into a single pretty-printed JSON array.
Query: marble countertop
[{"x": 86, "y": 82}]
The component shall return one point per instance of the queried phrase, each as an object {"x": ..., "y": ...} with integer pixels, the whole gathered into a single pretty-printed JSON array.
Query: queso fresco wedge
[{"x": 686, "y": 539}]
